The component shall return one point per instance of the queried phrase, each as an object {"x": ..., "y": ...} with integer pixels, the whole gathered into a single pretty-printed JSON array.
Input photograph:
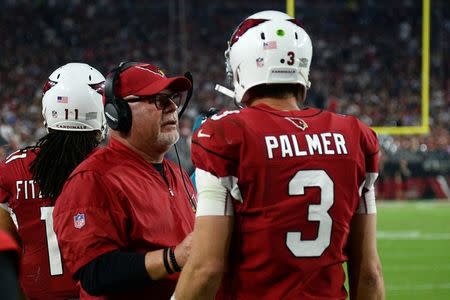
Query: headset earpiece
[
  {"x": 117, "y": 111},
  {"x": 118, "y": 115}
]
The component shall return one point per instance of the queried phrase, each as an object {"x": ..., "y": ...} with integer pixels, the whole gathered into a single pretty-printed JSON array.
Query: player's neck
[{"x": 278, "y": 104}]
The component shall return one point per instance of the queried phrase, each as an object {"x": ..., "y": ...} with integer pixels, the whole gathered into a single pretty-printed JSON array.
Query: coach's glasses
[{"x": 161, "y": 101}]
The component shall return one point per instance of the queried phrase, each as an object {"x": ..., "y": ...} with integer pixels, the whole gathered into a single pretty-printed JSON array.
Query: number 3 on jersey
[
  {"x": 316, "y": 212},
  {"x": 54, "y": 255}
]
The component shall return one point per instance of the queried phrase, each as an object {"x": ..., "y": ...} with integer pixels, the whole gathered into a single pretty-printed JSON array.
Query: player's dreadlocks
[{"x": 60, "y": 152}]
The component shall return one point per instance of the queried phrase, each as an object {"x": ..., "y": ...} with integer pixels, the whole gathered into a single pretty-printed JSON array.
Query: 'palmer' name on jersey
[{"x": 326, "y": 143}]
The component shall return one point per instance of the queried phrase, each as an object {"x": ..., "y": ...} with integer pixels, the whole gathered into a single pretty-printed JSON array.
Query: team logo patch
[
  {"x": 79, "y": 221},
  {"x": 299, "y": 123},
  {"x": 260, "y": 62},
  {"x": 303, "y": 63},
  {"x": 161, "y": 72},
  {"x": 152, "y": 69},
  {"x": 91, "y": 115}
]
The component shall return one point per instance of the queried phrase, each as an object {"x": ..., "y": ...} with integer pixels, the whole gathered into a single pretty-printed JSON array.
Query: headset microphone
[
  {"x": 188, "y": 75},
  {"x": 191, "y": 198}
]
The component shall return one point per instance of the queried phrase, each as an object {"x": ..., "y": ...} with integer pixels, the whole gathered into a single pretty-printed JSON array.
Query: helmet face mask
[
  {"x": 268, "y": 47},
  {"x": 72, "y": 99}
]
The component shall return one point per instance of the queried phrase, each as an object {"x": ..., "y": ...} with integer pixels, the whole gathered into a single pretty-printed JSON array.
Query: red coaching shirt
[
  {"x": 116, "y": 200},
  {"x": 43, "y": 274},
  {"x": 299, "y": 176}
]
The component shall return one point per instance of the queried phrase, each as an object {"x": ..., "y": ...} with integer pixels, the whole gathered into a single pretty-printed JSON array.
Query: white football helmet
[
  {"x": 72, "y": 99},
  {"x": 268, "y": 47}
]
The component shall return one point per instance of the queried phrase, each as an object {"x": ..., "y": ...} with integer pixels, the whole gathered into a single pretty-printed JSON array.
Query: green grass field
[{"x": 414, "y": 245}]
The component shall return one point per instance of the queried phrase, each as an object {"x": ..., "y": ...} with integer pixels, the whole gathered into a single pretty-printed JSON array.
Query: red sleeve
[
  {"x": 88, "y": 219},
  {"x": 4, "y": 193},
  {"x": 370, "y": 147},
  {"x": 216, "y": 146},
  {"x": 7, "y": 243}
]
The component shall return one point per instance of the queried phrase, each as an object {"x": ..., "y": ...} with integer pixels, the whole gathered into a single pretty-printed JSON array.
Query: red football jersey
[
  {"x": 116, "y": 200},
  {"x": 7, "y": 243},
  {"x": 43, "y": 274},
  {"x": 298, "y": 177}
]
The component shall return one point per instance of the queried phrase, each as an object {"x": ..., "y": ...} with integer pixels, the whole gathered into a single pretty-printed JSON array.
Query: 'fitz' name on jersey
[
  {"x": 326, "y": 143},
  {"x": 28, "y": 189}
]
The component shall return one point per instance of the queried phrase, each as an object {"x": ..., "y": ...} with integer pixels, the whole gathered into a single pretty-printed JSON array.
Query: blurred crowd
[{"x": 366, "y": 62}]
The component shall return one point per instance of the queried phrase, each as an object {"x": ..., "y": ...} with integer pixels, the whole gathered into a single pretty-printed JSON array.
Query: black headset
[{"x": 117, "y": 110}]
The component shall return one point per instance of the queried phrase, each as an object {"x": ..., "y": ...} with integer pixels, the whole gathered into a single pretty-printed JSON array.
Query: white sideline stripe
[
  {"x": 411, "y": 235},
  {"x": 416, "y": 267},
  {"x": 416, "y": 255},
  {"x": 417, "y": 204},
  {"x": 430, "y": 286}
]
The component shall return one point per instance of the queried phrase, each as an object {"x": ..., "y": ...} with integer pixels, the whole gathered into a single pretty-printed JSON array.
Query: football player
[
  {"x": 285, "y": 192},
  {"x": 32, "y": 178}
]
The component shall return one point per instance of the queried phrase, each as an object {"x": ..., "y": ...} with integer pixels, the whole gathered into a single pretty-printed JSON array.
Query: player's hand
[{"x": 183, "y": 250}]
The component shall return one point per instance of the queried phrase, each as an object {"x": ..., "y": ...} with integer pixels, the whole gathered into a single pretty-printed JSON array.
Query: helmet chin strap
[
  {"x": 226, "y": 91},
  {"x": 229, "y": 93}
]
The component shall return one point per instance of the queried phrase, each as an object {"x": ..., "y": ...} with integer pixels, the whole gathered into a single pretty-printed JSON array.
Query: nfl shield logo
[
  {"x": 79, "y": 220},
  {"x": 260, "y": 62}
]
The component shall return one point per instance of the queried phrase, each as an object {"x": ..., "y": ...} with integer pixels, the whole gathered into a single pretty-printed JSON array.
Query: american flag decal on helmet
[
  {"x": 62, "y": 99},
  {"x": 270, "y": 45}
]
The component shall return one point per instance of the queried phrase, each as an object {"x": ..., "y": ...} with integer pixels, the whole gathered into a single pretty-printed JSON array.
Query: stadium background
[{"x": 366, "y": 62}]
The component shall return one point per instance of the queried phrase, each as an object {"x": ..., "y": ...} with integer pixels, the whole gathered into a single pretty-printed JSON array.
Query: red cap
[{"x": 145, "y": 80}]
